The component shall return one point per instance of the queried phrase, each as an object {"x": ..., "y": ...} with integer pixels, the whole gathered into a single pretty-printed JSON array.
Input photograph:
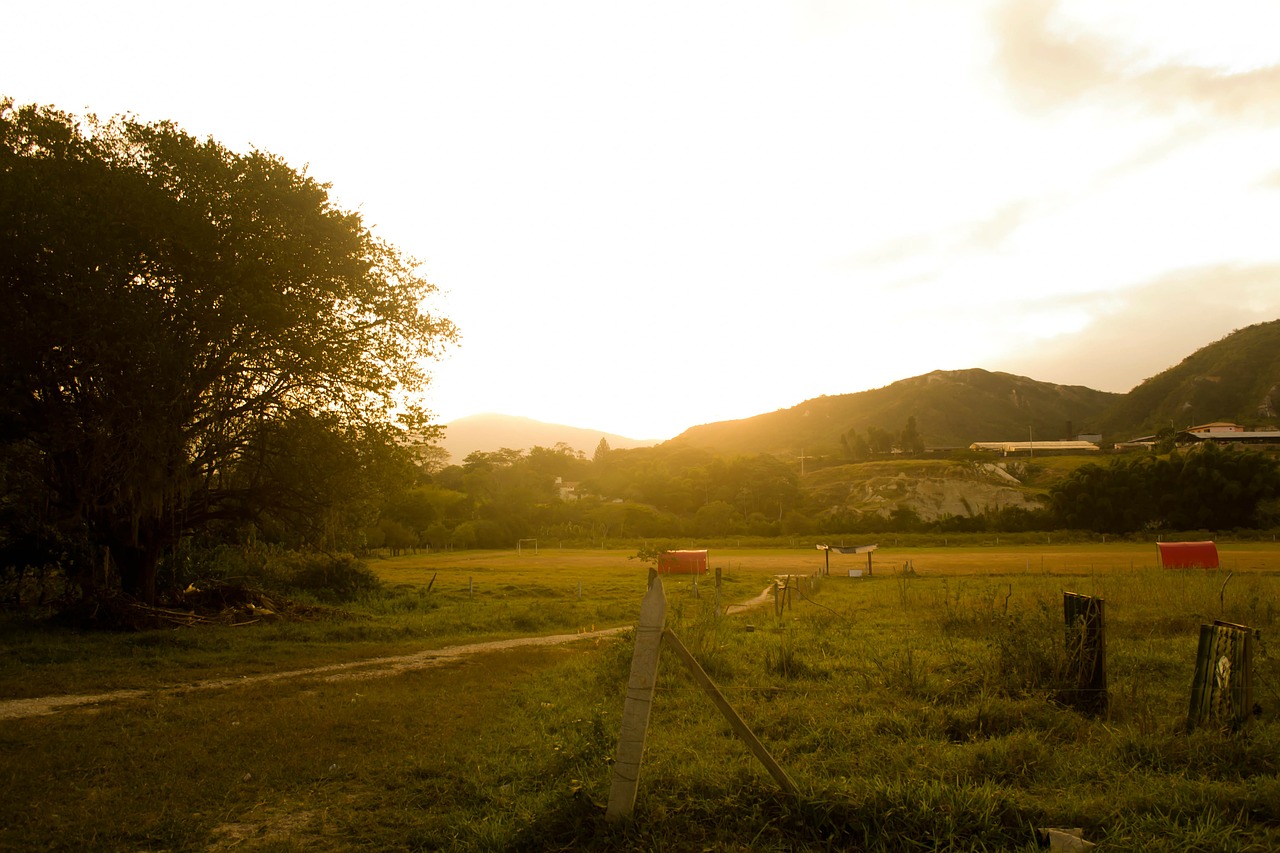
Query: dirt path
[
  {"x": 759, "y": 601},
  {"x": 368, "y": 668},
  {"x": 12, "y": 709}
]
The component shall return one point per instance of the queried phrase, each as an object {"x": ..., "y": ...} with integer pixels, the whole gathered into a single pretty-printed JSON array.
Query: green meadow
[{"x": 916, "y": 709}]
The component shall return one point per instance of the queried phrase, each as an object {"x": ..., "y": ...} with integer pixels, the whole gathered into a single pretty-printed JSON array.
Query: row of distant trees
[
  {"x": 1206, "y": 488},
  {"x": 858, "y": 447},
  {"x": 491, "y": 499},
  {"x": 202, "y": 351}
]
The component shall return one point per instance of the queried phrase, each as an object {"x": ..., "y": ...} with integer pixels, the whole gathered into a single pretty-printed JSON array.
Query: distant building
[
  {"x": 1146, "y": 442},
  {"x": 1216, "y": 428},
  {"x": 1220, "y": 432},
  {"x": 567, "y": 491},
  {"x": 1225, "y": 433},
  {"x": 1033, "y": 447}
]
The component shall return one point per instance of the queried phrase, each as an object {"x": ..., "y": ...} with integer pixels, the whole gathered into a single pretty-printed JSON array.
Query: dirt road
[
  {"x": 368, "y": 668},
  {"x": 11, "y": 709}
]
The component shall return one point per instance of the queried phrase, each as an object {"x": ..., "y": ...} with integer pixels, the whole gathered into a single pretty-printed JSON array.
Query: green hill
[
  {"x": 1234, "y": 379},
  {"x": 952, "y": 408}
]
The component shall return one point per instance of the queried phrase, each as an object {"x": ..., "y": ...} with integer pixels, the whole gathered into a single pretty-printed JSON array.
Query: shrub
[{"x": 330, "y": 578}]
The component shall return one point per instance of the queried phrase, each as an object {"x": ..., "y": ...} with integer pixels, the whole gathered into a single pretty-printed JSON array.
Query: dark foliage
[
  {"x": 1206, "y": 488},
  {"x": 193, "y": 337}
]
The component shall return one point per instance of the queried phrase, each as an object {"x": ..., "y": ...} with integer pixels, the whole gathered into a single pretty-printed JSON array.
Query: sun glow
[{"x": 644, "y": 218}]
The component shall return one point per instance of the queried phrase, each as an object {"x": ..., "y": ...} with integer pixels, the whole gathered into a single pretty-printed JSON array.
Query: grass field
[{"x": 915, "y": 711}]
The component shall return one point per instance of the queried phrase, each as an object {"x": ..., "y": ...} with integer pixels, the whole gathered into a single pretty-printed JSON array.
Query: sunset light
[{"x": 744, "y": 206}]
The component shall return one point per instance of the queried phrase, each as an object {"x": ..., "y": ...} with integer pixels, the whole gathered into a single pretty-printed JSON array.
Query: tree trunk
[{"x": 138, "y": 566}]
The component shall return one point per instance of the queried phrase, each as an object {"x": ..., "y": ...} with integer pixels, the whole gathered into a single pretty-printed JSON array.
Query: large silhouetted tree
[{"x": 184, "y": 323}]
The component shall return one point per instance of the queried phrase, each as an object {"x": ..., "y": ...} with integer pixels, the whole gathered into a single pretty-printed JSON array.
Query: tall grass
[{"x": 913, "y": 712}]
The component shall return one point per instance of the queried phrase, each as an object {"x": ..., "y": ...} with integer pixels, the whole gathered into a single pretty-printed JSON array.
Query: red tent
[
  {"x": 682, "y": 563},
  {"x": 1188, "y": 555}
]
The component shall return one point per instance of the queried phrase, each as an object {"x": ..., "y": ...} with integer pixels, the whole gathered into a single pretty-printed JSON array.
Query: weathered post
[
  {"x": 1086, "y": 652},
  {"x": 635, "y": 712},
  {"x": 1222, "y": 688},
  {"x": 719, "y": 608}
]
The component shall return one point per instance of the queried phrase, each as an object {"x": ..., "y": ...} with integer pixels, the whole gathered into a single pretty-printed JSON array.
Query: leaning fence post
[
  {"x": 635, "y": 711},
  {"x": 739, "y": 726}
]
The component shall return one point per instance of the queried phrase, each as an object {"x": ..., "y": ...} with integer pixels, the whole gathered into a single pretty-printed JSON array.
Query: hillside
[
  {"x": 952, "y": 408},
  {"x": 933, "y": 489},
  {"x": 1233, "y": 379},
  {"x": 1236, "y": 378},
  {"x": 489, "y": 432}
]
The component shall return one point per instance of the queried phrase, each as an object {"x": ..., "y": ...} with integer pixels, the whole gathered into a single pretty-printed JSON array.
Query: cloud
[
  {"x": 1044, "y": 68},
  {"x": 1138, "y": 332},
  {"x": 986, "y": 234},
  {"x": 1250, "y": 95},
  {"x": 991, "y": 232},
  {"x": 1185, "y": 136},
  {"x": 1047, "y": 63}
]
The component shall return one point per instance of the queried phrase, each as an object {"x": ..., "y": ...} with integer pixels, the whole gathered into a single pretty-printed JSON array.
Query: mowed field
[
  {"x": 614, "y": 574},
  {"x": 915, "y": 709}
]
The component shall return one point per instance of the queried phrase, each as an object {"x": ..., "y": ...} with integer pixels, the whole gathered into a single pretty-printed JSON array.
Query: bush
[{"x": 330, "y": 578}]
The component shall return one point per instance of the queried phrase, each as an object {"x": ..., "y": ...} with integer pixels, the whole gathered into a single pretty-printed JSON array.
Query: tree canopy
[
  {"x": 1204, "y": 488},
  {"x": 187, "y": 323}
]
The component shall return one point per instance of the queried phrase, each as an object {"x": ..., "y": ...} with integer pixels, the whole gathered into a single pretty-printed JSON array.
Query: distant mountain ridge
[
  {"x": 491, "y": 431},
  {"x": 952, "y": 408},
  {"x": 1236, "y": 378}
]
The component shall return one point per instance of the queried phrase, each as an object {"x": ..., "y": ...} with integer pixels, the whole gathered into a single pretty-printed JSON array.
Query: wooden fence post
[
  {"x": 635, "y": 711},
  {"x": 1086, "y": 652},
  {"x": 1222, "y": 688},
  {"x": 719, "y": 608}
]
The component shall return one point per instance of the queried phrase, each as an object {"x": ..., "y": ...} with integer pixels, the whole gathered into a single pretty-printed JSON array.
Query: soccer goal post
[{"x": 522, "y": 544}]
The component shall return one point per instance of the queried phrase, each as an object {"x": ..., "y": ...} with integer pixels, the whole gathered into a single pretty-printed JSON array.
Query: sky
[{"x": 644, "y": 216}]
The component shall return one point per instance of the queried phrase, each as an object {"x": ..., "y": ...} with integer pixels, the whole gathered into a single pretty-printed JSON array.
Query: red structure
[
  {"x": 1188, "y": 555},
  {"x": 682, "y": 563}
]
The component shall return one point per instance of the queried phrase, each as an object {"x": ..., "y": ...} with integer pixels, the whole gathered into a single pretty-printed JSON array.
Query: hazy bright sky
[{"x": 649, "y": 215}]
